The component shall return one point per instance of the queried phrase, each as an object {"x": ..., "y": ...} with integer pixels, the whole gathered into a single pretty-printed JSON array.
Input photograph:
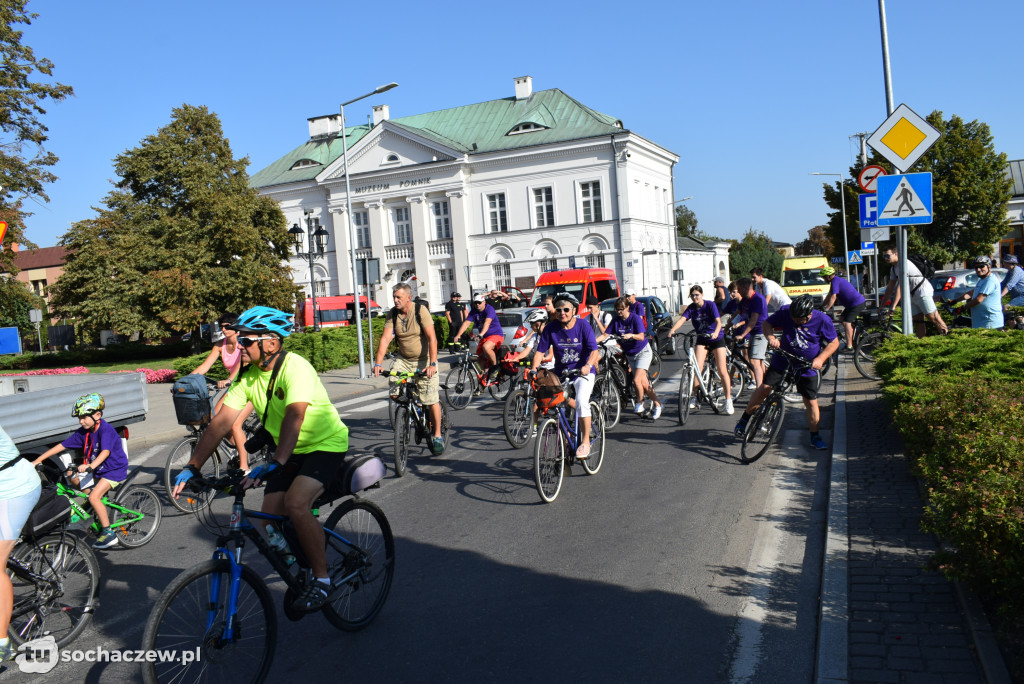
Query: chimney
[
  {"x": 324, "y": 126},
  {"x": 380, "y": 113},
  {"x": 524, "y": 87}
]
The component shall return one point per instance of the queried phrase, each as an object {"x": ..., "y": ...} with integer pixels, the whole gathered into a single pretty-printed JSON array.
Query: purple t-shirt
[
  {"x": 805, "y": 341},
  {"x": 846, "y": 294},
  {"x": 638, "y": 309},
  {"x": 572, "y": 347},
  {"x": 478, "y": 317},
  {"x": 631, "y": 326},
  {"x": 114, "y": 466},
  {"x": 755, "y": 305},
  {"x": 703, "y": 319}
]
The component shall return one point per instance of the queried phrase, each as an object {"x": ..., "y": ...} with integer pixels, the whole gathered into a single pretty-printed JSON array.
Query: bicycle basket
[
  {"x": 51, "y": 510},
  {"x": 191, "y": 400},
  {"x": 547, "y": 389}
]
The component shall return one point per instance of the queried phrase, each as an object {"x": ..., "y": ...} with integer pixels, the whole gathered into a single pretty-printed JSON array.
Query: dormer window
[
  {"x": 526, "y": 127},
  {"x": 391, "y": 159},
  {"x": 304, "y": 164}
]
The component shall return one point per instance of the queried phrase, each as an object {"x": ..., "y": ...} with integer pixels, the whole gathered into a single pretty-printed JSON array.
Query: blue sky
[{"x": 751, "y": 95}]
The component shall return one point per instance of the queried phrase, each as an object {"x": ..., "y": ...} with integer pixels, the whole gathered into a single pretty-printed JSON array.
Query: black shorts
[
  {"x": 850, "y": 314},
  {"x": 711, "y": 344},
  {"x": 322, "y": 466},
  {"x": 806, "y": 386}
]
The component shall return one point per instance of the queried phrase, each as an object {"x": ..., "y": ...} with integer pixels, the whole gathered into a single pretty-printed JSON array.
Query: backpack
[
  {"x": 394, "y": 314},
  {"x": 192, "y": 401},
  {"x": 548, "y": 389},
  {"x": 924, "y": 265},
  {"x": 51, "y": 510}
]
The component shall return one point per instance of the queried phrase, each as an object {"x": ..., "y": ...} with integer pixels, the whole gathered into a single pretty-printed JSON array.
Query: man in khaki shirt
[{"x": 417, "y": 351}]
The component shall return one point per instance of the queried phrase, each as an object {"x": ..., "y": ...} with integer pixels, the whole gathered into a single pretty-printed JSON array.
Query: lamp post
[
  {"x": 675, "y": 242},
  {"x": 317, "y": 246},
  {"x": 351, "y": 228},
  {"x": 842, "y": 203}
]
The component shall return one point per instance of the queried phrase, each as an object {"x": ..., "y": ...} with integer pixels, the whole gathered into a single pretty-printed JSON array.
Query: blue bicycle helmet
[
  {"x": 1010, "y": 259},
  {"x": 263, "y": 319}
]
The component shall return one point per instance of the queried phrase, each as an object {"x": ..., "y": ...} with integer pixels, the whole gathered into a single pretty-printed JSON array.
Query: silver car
[
  {"x": 513, "y": 324},
  {"x": 954, "y": 283}
]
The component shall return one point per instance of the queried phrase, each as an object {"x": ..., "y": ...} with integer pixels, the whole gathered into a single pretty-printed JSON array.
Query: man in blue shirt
[
  {"x": 985, "y": 304},
  {"x": 1013, "y": 283}
]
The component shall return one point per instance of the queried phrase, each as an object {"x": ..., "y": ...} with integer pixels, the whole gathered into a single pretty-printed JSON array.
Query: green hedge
[
  {"x": 958, "y": 401},
  {"x": 131, "y": 351}
]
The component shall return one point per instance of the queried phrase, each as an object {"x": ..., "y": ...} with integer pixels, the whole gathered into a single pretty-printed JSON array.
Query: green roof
[{"x": 485, "y": 125}]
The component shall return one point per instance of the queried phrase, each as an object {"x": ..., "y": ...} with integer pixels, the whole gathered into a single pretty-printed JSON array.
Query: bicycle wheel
[
  {"x": 592, "y": 463},
  {"x": 610, "y": 402},
  {"x": 763, "y": 427},
  {"x": 189, "y": 502},
  {"x": 459, "y": 385},
  {"x": 864, "y": 353},
  {"x": 517, "y": 419},
  {"x": 622, "y": 385},
  {"x": 654, "y": 371},
  {"x": 502, "y": 386},
  {"x": 685, "y": 393},
  {"x": 190, "y": 616},
  {"x": 446, "y": 423},
  {"x": 63, "y": 603},
  {"x": 142, "y": 501},
  {"x": 392, "y": 404},
  {"x": 739, "y": 376},
  {"x": 403, "y": 435},
  {"x": 364, "y": 566},
  {"x": 716, "y": 392},
  {"x": 547, "y": 460}
]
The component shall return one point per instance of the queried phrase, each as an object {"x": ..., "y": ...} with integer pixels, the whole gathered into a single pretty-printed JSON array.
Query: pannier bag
[
  {"x": 192, "y": 403},
  {"x": 356, "y": 474},
  {"x": 547, "y": 388},
  {"x": 51, "y": 510}
]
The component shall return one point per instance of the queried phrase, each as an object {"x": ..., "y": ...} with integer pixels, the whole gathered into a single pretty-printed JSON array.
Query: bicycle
[
  {"x": 467, "y": 378},
  {"x": 222, "y": 609},
  {"x": 764, "y": 424},
  {"x": 135, "y": 511},
  {"x": 558, "y": 437},
  {"x": 621, "y": 377},
  {"x": 606, "y": 389},
  {"x": 517, "y": 416},
  {"x": 872, "y": 329},
  {"x": 709, "y": 383},
  {"x": 224, "y": 455},
  {"x": 56, "y": 580},
  {"x": 410, "y": 419},
  {"x": 741, "y": 373}
]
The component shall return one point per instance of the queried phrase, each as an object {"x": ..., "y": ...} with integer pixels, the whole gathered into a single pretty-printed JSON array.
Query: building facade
[
  {"x": 483, "y": 196},
  {"x": 1013, "y": 241}
]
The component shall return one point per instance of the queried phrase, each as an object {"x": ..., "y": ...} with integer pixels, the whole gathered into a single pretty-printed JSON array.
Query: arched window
[
  {"x": 390, "y": 159},
  {"x": 499, "y": 253},
  {"x": 526, "y": 127},
  {"x": 304, "y": 163}
]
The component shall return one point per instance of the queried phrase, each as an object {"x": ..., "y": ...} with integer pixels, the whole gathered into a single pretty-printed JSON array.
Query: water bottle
[{"x": 280, "y": 545}]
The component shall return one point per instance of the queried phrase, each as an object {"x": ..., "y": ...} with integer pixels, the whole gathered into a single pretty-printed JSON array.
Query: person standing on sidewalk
[
  {"x": 411, "y": 325},
  {"x": 922, "y": 302},
  {"x": 455, "y": 312},
  {"x": 853, "y": 302}
]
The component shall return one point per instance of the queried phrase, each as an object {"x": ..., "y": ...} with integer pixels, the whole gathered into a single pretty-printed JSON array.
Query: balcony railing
[
  {"x": 440, "y": 248},
  {"x": 364, "y": 253},
  {"x": 399, "y": 253}
]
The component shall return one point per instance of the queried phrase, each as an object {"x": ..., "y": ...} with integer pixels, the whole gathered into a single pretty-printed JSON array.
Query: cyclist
[
  {"x": 754, "y": 309},
  {"x": 485, "y": 318},
  {"x": 225, "y": 345},
  {"x": 630, "y": 327},
  {"x": 411, "y": 325},
  {"x": 808, "y": 334},
  {"x": 19, "y": 493},
  {"x": 311, "y": 441},
  {"x": 1013, "y": 283},
  {"x": 597, "y": 319},
  {"x": 105, "y": 463},
  {"x": 984, "y": 302},
  {"x": 922, "y": 303},
  {"x": 710, "y": 337},
  {"x": 536, "y": 319},
  {"x": 853, "y": 302},
  {"x": 575, "y": 348},
  {"x": 774, "y": 296}
]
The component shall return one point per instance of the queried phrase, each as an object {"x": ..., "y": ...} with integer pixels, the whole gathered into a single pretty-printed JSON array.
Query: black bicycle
[
  {"x": 517, "y": 417},
  {"x": 764, "y": 425},
  {"x": 872, "y": 329},
  {"x": 409, "y": 418}
]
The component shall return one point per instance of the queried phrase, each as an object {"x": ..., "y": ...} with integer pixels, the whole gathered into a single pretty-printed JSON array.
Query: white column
[
  {"x": 421, "y": 228},
  {"x": 460, "y": 238},
  {"x": 342, "y": 253}
]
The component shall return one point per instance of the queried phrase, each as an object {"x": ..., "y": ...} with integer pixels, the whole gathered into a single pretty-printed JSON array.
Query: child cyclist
[{"x": 105, "y": 463}]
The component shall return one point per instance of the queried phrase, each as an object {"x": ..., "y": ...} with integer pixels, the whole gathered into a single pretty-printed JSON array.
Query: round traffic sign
[{"x": 867, "y": 179}]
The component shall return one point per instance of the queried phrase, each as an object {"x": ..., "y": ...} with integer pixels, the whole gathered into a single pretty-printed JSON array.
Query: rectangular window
[
  {"x": 321, "y": 288},
  {"x": 502, "y": 276},
  {"x": 548, "y": 265},
  {"x": 442, "y": 219},
  {"x": 447, "y": 278},
  {"x": 361, "y": 222},
  {"x": 595, "y": 261},
  {"x": 543, "y": 207},
  {"x": 590, "y": 193},
  {"x": 403, "y": 226},
  {"x": 498, "y": 218}
]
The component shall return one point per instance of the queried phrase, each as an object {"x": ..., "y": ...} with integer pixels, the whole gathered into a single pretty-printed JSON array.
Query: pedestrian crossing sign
[
  {"x": 854, "y": 257},
  {"x": 905, "y": 200}
]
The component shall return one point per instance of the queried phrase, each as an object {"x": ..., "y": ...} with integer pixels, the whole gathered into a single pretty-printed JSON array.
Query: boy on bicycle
[
  {"x": 105, "y": 463},
  {"x": 799, "y": 329}
]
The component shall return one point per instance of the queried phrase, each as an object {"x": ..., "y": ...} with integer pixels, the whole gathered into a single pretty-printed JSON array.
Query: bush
[{"x": 113, "y": 353}]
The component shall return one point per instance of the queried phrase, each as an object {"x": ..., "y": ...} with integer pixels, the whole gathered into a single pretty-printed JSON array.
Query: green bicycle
[{"x": 135, "y": 511}]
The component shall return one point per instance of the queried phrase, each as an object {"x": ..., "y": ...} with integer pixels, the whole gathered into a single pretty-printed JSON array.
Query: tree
[
  {"x": 181, "y": 238},
  {"x": 970, "y": 193},
  {"x": 686, "y": 225},
  {"x": 817, "y": 242},
  {"x": 754, "y": 250}
]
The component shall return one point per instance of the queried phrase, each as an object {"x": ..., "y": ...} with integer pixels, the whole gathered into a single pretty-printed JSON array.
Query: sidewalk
[{"x": 902, "y": 622}]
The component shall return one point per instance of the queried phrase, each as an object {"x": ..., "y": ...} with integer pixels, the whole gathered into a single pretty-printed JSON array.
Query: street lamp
[
  {"x": 317, "y": 245},
  {"x": 675, "y": 242},
  {"x": 351, "y": 228},
  {"x": 842, "y": 203}
]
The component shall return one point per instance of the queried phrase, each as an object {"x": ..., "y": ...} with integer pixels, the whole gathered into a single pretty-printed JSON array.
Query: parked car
[
  {"x": 954, "y": 283},
  {"x": 513, "y": 324},
  {"x": 658, "y": 318}
]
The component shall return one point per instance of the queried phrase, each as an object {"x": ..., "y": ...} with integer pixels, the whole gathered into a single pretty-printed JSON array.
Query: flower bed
[
  {"x": 77, "y": 370},
  {"x": 152, "y": 376}
]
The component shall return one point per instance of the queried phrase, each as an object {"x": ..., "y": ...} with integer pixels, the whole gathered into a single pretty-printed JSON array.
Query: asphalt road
[{"x": 675, "y": 563}]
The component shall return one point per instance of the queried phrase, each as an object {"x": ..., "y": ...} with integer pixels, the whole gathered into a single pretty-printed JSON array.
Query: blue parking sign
[{"x": 869, "y": 210}]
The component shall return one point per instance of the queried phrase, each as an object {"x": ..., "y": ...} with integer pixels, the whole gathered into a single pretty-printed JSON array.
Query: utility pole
[
  {"x": 863, "y": 147},
  {"x": 864, "y": 162}
]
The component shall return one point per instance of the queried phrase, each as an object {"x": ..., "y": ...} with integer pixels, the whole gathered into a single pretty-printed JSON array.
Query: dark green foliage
[
  {"x": 113, "y": 353},
  {"x": 754, "y": 250}
]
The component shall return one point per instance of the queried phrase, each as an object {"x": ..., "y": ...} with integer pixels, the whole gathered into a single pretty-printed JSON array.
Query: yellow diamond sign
[{"x": 903, "y": 138}]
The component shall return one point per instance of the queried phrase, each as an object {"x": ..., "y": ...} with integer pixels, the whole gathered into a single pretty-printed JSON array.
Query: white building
[{"x": 485, "y": 195}]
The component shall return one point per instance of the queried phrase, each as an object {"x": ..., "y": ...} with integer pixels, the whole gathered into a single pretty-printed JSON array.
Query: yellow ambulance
[{"x": 802, "y": 275}]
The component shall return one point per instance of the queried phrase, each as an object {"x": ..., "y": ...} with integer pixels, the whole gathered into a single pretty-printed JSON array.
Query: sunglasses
[
  {"x": 249, "y": 341},
  {"x": 564, "y": 310},
  {"x": 620, "y": 308}
]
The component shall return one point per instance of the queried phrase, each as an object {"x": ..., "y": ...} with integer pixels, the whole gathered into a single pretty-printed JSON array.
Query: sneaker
[
  {"x": 657, "y": 412},
  {"x": 533, "y": 431},
  {"x": 818, "y": 443},
  {"x": 693, "y": 402},
  {"x": 729, "y": 410},
  {"x": 106, "y": 539},
  {"x": 313, "y": 598},
  {"x": 6, "y": 652},
  {"x": 741, "y": 426},
  {"x": 639, "y": 408},
  {"x": 751, "y": 385},
  {"x": 437, "y": 446},
  {"x": 583, "y": 452}
]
